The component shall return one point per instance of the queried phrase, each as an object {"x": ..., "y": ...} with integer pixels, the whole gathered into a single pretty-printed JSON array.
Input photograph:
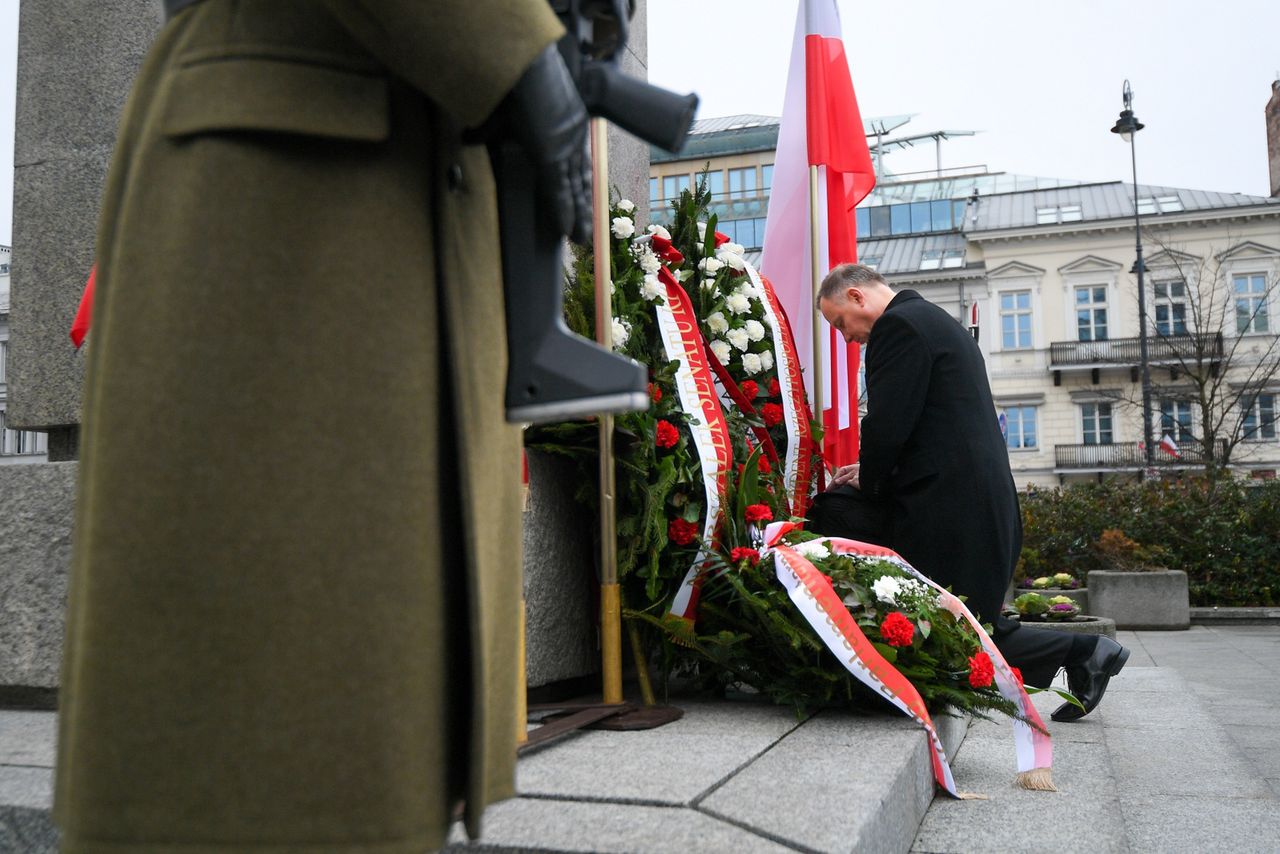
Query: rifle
[{"x": 553, "y": 374}]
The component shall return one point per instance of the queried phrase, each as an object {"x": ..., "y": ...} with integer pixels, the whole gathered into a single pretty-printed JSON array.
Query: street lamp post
[{"x": 1128, "y": 126}]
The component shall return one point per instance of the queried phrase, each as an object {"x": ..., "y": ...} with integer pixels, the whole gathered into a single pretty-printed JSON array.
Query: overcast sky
[{"x": 1040, "y": 80}]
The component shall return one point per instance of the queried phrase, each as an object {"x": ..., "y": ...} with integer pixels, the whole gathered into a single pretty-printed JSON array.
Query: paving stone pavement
[{"x": 1183, "y": 755}]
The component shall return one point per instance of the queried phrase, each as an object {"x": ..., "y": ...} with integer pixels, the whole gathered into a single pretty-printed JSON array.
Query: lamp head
[{"x": 1127, "y": 125}]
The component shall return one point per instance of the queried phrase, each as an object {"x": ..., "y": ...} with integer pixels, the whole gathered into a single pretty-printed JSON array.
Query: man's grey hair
[{"x": 843, "y": 277}]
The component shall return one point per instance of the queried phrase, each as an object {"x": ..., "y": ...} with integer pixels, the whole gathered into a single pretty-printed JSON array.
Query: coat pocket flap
[{"x": 273, "y": 95}]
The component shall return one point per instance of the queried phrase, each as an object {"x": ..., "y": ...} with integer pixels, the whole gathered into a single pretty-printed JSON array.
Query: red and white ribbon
[
  {"x": 678, "y": 326},
  {"x": 825, "y": 611},
  {"x": 786, "y": 361}
]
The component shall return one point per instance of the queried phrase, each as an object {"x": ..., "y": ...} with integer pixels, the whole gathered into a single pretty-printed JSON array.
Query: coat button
[{"x": 455, "y": 177}]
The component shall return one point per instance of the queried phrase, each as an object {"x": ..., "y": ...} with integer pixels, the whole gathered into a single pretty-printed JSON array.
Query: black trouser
[{"x": 1041, "y": 653}]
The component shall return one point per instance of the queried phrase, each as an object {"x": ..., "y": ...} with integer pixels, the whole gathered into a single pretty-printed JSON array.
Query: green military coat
[{"x": 293, "y": 609}]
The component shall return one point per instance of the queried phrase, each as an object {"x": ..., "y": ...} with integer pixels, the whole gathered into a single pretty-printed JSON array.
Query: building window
[
  {"x": 1251, "y": 302},
  {"x": 1091, "y": 313},
  {"x": 1020, "y": 426},
  {"x": 931, "y": 259},
  {"x": 1015, "y": 320},
  {"x": 15, "y": 443},
  {"x": 1095, "y": 421},
  {"x": 1259, "y": 423},
  {"x": 742, "y": 183},
  {"x": 1171, "y": 308},
  {"x": 1146, "y": 206},
  {"x": 4, "y": 362},
  {"x": 871, "y": 261},
  {"x": 673, "y": 186},
  {"x": 1064, "y": 213},
  {"x": 766, "y": 173},
  {"x": 1045, "y": 216},
  {"x": 1071, "y": 213},
  {"x": 715, "y": 184},
  {"x": 1169, "y": 204},
  {"x": 1175, "y": 420},
  {"x": 748, "y": 232},
  {"x": 654, "y": 191},
  {"x": 953, "y": 258}
]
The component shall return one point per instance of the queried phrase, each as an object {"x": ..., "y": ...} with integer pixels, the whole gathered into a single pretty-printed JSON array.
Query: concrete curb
[{"x": 1235, "y": 616}]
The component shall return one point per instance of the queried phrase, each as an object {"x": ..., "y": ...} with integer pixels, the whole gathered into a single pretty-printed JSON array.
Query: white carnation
[
  {"x": 766, "y": 360},
  {"x": 654, "y": 228},
  {"x": 648, "y": 261},
  {"x": 813, "y": 550},
  {"x": 735, "y": 261},
  {"x": 738, "y": 338},
  {"x": 755, "y": 330},
  {"x": 621, "y": 333},
  {"x": 710, "y": 266},
  {"x": 738, "y": 304},
  {"x": 652, "y": 288},
  {"x": 732, "y": 248},
  {"x": 751, "y": 363},
  {"x": 717, "y": 323},
  {"x": 623, "y": 226},
  {"x": 626, "y": 205},
  {"x": 887, "y": 588},
  {"x": 721, "y": 349}
]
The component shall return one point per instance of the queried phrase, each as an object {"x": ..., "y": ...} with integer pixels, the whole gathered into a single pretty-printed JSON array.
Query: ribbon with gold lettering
[{"x": 678, "y": 326}]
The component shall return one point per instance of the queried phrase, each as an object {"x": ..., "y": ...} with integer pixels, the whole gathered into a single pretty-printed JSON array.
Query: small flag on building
[
  {"x": 80, "y": 326},
  {"x": 1167, "y": 445}
]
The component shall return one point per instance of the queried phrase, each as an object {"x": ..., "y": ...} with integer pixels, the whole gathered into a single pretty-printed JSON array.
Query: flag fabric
[
  {"x": 821, "y": 127},
  {"x": 1169, "y": 447},
  {"x": 80, "y": 326}
]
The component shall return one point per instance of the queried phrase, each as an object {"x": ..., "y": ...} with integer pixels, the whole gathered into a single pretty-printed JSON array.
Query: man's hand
[
  {"x": 846, "y": 475},
  {"x": 548, "y": 118}
]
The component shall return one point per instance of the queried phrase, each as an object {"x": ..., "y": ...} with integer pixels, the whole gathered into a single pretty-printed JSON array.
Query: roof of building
[
  {"x": 749, "y": 132},
  {"x": 905, "y": 254}
]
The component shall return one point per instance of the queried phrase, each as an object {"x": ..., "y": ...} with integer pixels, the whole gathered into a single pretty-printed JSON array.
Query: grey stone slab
[
  {"x": 1274, "y": 782},
  {"x": 559, "y": 573},
  {"x": 1080, "y": 816},
  {"x": 1153, "y": 762},
  {"x": 29, "y": 831},
  {"x": 28, "y": 738},
  {"x": 31, "y": 788},
  {"x": 835, "y": 784},
  {"x": 1149, "y": 710},
  {"x": 1141, "y": 600},
  {"x": 37, "y": 505},
  {"x": 672, "y": 765},
  {"x": 532, "y": 824},
  {"x": 1200, "y": 824}
]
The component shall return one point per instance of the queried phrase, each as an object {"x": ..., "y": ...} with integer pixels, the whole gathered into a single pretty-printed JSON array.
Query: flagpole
[
  {"x": 610, "y": 593},
  {"x": 816, "y": 276}
]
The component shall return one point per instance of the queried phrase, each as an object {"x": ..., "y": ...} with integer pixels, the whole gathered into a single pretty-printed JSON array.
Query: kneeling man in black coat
[{"x": 933, "y": 482}]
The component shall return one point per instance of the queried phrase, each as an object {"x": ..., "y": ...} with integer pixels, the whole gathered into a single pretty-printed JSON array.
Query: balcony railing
[
  {"x": 1161, "y": 349},
  {"x": 1129, "y": 455}
]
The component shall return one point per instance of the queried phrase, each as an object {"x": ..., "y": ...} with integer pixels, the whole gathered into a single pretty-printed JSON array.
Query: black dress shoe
[{"x": 1088, "y": 681}]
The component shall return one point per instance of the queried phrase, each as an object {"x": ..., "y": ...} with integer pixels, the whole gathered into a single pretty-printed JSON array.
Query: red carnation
[
  {"x": 763, "y": 465},
  {"x": 771, "y": 413},
  {"x": 758, "y": 513},
  {"x": 667, "y": 436},
  {"x": 897, "y": 630},
  {"x": 655, "y": 393},
  {"x": 1017, "y": 674},
  {"x": 742, "y": 553},
  {"x": 749, "y": 389},
  {"x": 681, "y": 532},
  {"x": 721, "y": 239},
  {"x": 775, "y": 388},
  {"x": 981, "y": 671}
]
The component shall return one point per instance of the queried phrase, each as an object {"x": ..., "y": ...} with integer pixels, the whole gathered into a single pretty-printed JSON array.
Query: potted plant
[
  {"x": 1137, "y": 591},
  {"x": 1034, "y": 573},
  {"x": 1061, "y": 613}
]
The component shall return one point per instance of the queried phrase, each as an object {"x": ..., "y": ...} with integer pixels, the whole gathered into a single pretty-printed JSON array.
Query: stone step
[
  {"x": 26, "y": 781},
  {"x": 739, "y": 777},
  {"x": 1150, "y": 770}
]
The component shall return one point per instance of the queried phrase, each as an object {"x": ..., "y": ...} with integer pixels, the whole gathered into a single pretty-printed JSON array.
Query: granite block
[
  {"x": 538, "y": 825},
  {"x": 1141, "y": 600},
  {"x": 29, "y": 788},
  {"x": 1202, "y": 763},
  {"x": 37, "y": 504},
  {"x": 671, "y": 765},
  {"x": 28, "y": 738},
  {"x": 29, "y": 831},
  {"x": 559, "y": 575}
]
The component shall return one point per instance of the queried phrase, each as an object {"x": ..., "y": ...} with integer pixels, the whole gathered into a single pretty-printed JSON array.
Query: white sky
[{"x": 1041, "y": 80}]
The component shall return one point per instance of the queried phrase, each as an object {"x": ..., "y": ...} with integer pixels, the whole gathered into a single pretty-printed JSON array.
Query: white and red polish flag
[{"x": 821, "y": 127}]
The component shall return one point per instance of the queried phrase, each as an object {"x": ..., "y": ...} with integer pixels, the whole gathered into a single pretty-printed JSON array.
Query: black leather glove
[{"x": 547, "y": 116}]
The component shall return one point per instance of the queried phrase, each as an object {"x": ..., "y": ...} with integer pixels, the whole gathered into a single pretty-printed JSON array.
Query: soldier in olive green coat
[{"x": 292, "y": 622}]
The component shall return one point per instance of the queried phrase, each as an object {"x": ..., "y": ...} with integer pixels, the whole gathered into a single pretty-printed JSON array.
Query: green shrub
[{"x": 1226, "y": 536}]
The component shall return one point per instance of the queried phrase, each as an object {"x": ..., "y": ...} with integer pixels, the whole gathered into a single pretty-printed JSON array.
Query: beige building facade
[{"x": 1049, "y": 266}]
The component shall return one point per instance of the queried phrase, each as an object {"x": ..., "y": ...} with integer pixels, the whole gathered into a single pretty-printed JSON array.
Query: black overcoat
[{"x": 933, "y": 453}]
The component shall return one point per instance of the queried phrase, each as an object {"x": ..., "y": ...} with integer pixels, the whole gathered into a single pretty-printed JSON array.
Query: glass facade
[{"x": 914, "y": 218}]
